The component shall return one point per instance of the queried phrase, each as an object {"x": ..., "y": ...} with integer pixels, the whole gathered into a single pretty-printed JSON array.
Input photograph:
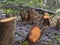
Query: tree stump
[{"x": 7, "y": 27}]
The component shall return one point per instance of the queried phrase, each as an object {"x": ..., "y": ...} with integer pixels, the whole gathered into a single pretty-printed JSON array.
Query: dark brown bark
[
  {"x": 7, "y": 31},
  {"x": 23, "y": 15},
  {"x": 58, "y": 24}
]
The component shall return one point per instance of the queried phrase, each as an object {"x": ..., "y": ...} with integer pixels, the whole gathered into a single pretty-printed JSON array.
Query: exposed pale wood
[
  {"x": 34, "y": 36},
  {"x": 7, "y": 19}
]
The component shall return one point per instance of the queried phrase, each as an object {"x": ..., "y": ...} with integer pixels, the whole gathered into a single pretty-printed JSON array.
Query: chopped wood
[
  {"x": 7, "y": 19},
  {"x": 34, "y": 34}
]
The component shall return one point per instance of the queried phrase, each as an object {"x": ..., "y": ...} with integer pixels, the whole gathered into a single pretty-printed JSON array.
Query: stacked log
[{"x": 7, "y": 27}]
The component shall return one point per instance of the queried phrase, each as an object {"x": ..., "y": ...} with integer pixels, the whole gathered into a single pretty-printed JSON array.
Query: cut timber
[
  {"x": 7, "y": 19},
  {"x": 7, "y": 27},
  {"x": 34, "y": 34}
]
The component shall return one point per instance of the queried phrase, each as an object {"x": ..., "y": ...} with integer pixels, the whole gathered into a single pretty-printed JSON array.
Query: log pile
[{"x": 7, "y": 27}]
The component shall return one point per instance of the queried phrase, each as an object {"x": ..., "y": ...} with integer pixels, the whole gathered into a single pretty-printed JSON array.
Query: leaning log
[
  {"x": 7, "y": 27},
  {"x": 42, "y": 10}
]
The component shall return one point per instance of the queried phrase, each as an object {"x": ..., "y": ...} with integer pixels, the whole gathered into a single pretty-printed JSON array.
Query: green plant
[{"x": 25, "y": 43}]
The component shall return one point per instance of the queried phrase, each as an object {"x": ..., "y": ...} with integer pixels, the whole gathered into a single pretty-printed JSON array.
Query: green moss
[{"x": 25, "y": 43}]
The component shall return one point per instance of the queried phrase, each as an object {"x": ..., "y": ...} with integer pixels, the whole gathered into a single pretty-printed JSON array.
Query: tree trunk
[{"x": 7, "y": 27}]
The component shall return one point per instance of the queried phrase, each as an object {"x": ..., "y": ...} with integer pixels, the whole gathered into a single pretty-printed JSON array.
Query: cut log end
[
  {"x": 8, "y": 19},
  {"x": 34, "y": 34}
]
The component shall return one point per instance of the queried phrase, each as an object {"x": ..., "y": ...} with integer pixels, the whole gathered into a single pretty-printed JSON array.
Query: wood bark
[{"x": 7, "y": 27}]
